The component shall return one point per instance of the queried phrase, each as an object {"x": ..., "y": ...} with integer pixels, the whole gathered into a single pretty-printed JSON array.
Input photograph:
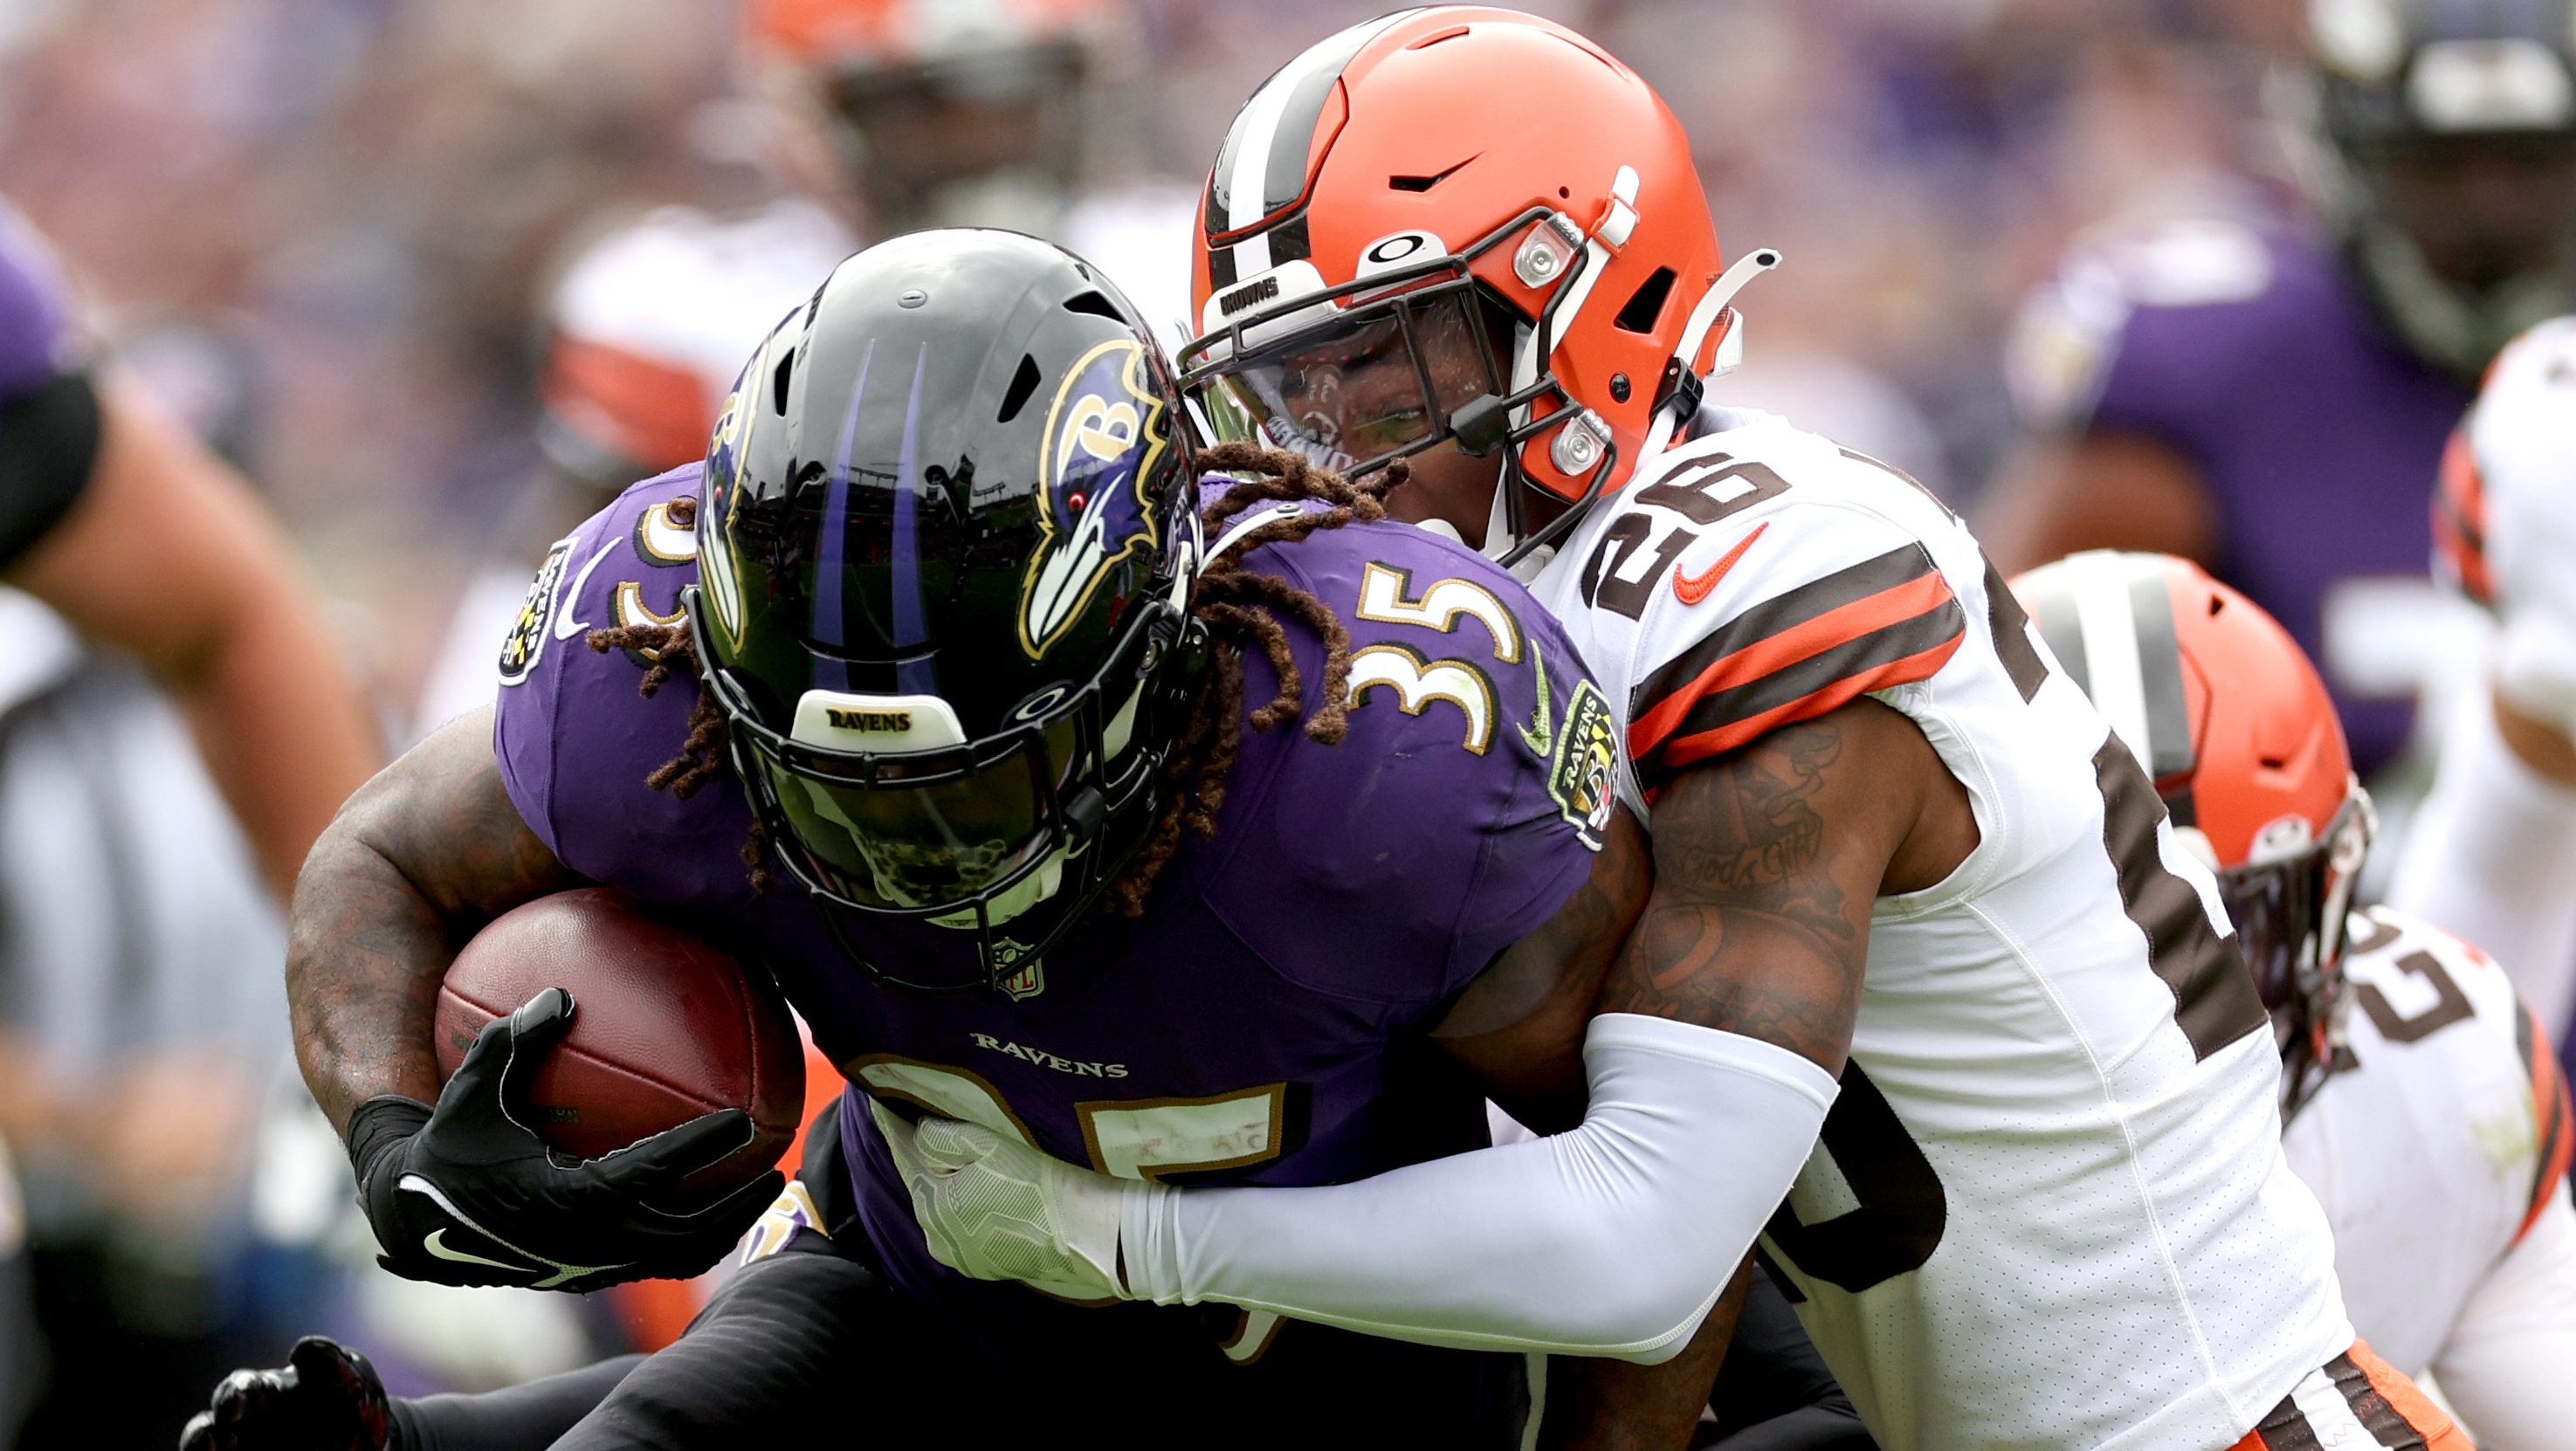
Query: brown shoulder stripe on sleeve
[
  {"x": 1882, "y": 622},
  {"x": 2010, "y": 625}
]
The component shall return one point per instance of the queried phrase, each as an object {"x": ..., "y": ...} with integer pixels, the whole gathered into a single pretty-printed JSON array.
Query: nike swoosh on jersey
[
  {"x": 566, "y": 625},
  {"x": 1540, "y": 734},
  {"x": 1691, "y": 589},
  {"x": 436, "y": 1243}
]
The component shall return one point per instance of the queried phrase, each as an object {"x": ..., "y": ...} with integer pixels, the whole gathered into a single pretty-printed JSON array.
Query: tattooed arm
[
  {"x": 423, "y": 855},
  {"x": 1766, "y": 862},
  {"x": 467, "y": 1193}
]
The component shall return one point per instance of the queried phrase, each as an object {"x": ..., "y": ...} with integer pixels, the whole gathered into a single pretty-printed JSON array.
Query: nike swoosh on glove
[
  {"x": 468, "y": 1194},
  {"x": 992, "y": 1208},
  {"x": 325, "y": 1398}
]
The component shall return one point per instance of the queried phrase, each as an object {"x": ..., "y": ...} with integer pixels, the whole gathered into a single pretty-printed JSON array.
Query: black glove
[
  {"x": 324, "y": 1399},
  {"x": 467, "y": 1194}
]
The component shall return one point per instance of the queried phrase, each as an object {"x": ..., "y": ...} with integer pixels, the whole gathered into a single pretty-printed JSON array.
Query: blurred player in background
[
  {"x": 141, "y": 539},
  {"x": 2493, "y": 851},
  {"x": 1022, "y": 114},
  {"x": 644, "y": 335},
  {"x": 2268, "y": 400},
  {"x": 876, "y": 116},
  {"x": 2422, "y": 1099},
  {"x": 136, "y": 987}
]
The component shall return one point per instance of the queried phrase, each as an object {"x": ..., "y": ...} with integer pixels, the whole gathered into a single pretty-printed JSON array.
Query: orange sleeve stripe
[
  {"x": 2460, "y": 518},
  {"x": 1801, "y": 641},
  {"x": 1684, "y": 750},
  {"x": 2553, "y": 1122}
]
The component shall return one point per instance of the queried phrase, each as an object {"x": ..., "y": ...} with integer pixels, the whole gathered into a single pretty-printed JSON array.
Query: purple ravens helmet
[{"x": 946, "y": 557}]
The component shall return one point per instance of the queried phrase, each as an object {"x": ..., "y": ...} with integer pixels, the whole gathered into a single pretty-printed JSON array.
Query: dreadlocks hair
[
  {"x": 1240, "y": 609},
  {"x": 660, "y": 648}
]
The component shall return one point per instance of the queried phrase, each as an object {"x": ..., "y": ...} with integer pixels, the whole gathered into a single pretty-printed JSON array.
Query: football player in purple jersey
[
  {"x": 1228, "y": 835},
  {"x": 2271, "y": 401}
]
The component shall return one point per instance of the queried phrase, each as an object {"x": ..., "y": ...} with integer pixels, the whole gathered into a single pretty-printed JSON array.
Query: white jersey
[
  {"x": 2049, "y": 1208},
  {"x": 2505, "y": 519},
  {"x": 2440, "y": 1140}
]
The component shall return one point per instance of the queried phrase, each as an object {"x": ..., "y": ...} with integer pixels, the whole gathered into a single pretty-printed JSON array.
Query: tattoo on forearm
[
  {"x": 1759, "y": 923},
  {"x": 425, "y": 854}
]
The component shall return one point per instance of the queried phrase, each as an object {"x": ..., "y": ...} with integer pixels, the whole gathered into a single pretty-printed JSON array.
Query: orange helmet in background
[
  {"x": 948, "y": 112},
  {"x": 2227, "y": 714},
  {"x": 1459, "y": 222}
]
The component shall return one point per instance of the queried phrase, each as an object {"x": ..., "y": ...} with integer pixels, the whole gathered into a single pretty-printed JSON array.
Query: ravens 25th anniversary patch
[
  {"x": 1582, "y": 773},
  {"x": 527, "y": 639}
]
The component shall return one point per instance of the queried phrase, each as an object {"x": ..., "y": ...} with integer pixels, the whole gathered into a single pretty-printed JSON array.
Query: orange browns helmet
[
  {"x": 1492, "y": 208},
  {"x": 2229, "y": 716},
  {"x": 887, "y": 33},
  {"x": 948, "y": 112}
]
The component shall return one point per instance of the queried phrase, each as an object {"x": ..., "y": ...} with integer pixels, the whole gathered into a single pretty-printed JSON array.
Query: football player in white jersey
[
  {"x": 2422, "y": 1099},
  {"x": 2493, "y": 849},
  {"x": 1892, "y": 845}
]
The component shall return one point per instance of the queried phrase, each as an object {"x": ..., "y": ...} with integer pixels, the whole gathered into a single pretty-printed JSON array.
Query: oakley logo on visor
[{"x": 1386, "y": 252}]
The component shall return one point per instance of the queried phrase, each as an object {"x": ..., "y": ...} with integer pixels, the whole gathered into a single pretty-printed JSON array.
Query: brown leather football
[{"x": 665, "y": 1026}]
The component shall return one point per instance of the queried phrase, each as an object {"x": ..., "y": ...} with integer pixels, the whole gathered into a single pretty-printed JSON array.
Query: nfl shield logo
[{"x": 1029, "y": 979}]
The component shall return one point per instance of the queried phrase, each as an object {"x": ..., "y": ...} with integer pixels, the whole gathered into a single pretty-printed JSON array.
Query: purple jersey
[
  {"x": 2256, "y": 355},
  {"x": 34, "y": 313},
  {"x": 1263, "y": 1022}
]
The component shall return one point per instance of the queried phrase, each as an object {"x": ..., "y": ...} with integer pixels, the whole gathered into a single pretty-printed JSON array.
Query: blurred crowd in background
[{"x": 333, "y": 236}]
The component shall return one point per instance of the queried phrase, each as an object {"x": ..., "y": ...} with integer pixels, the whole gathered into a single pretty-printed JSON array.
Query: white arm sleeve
[
  {"x": 2505, "y": 1365},
  {"x": 1611, "y": 1240},
  {"x": 2492, "y": 856}
]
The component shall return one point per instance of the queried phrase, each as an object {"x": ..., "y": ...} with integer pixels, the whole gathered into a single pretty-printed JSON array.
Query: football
[{"x": 666, "y": 1026}]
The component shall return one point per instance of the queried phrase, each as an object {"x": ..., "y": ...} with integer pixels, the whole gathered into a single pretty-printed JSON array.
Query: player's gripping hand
[
  {"x": 467, "y": 1194},
  {"x": 324, "y": 1398},
  {"x": 993, "y": 1208}
]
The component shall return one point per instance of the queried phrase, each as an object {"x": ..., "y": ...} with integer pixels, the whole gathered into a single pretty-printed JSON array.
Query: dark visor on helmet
[
  {"x": 933, "y": 841},
  {"x": 1392, "y": 363},
  {"x": 935, "y": 833},
  {"x": 1358, "y": 387}
]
